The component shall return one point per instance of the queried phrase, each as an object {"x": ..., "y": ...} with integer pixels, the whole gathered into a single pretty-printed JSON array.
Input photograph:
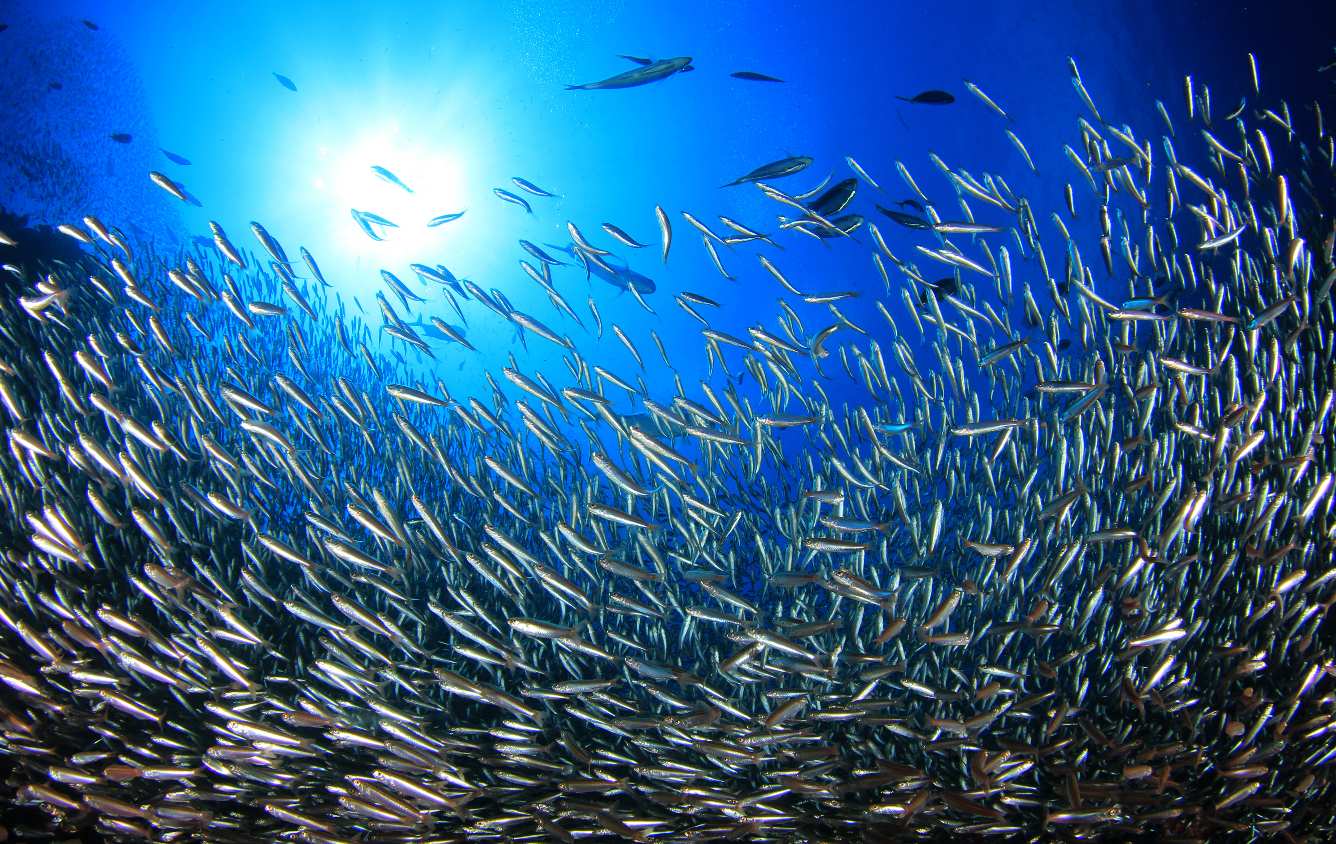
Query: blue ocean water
[{"x": 456, "y": 99}]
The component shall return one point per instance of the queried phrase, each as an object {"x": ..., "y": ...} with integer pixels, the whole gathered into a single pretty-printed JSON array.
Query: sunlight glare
[{"x": 433, "y": 173}]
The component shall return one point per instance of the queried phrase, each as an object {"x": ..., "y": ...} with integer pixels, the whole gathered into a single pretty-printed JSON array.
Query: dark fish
[
  {"x": 176, "y": 159},
  {"x": 3, "y": 27},
  {"x": 911, "y": 203},
  {"x": 932, "y": 97},
  {"x": 640, "y": 76},
  {"x": 90, "y": 24},
  {"x": 840, "y": 226},
  {"x": 754, "y": 76},
  {"x": 835, "y": 199},
  {"x": 285, "y": 82},
  {"x": 122, "y": 137},
  {"x": 944, "y": 286},
  {"x": 909, "y": 221},
  {"x": 774, "y": 170},
  {"x": 53, "y": 85}
]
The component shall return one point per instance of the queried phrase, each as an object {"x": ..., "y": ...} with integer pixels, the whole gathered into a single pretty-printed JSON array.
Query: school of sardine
[{"x": 1065, "y": 573}]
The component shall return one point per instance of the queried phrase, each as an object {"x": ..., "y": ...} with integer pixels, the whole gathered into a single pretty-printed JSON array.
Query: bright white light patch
[{"x": 434, "y": 174}]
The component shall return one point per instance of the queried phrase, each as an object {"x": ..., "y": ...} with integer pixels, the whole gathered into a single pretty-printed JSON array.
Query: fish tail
[{"x": 905, "y": 99}]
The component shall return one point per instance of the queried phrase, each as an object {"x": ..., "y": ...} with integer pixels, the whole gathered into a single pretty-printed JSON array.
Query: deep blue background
[{"x": 458, "y": 97}]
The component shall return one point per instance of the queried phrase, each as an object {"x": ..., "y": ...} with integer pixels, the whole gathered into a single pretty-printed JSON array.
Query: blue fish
[
  {"x": 286, "y": 82},
  {"x": 443, "y": 219},
  {"x": 513, "y": 199},
  {"x": 390, "y": 177},
  {"x": 176, "y": 159},
  {"x": 893, "y": 427},
  {"x": 530, "y": 187}
]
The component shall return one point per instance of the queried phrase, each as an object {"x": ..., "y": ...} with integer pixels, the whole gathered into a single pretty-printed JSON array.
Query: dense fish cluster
[
  {"x": 1065, "y": 571},
  {"x": 73, "y": 95}
]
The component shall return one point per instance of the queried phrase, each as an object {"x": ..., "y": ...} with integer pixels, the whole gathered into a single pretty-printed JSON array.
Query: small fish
[
  {"x": 774, "y": 170},
  {"x": 53, "y": 85},
  {"x": 443, "y": 331},
  {"x": 909, "y": 221},
  {"x": 529, "y": 187},
  {"x": 365, "y": 220},
  {"x": 286, "y": 82},
  {"x": 640, "y": 76},
  {"x": 985, "y": 99},
  {"x": 665, "y": 230},
  {"x": 90, "y": 25},
  {"x": 860, "y": 172},
  {"x": 942, "y": 287},
  {"x": 835, "y": 199},
  {"x": 313, "y": 267},
  {"x": 753, "y": 76},
  {"x": 387, "y": 176},
  {"x": 176, "y": 159},
  {"x": 537, "y": 252},
  {"x": 122, "y": 137},
  {"x": 931, "y": 97},
  {"x": 513, "y": 199},
  {"x": 623, "y": 236},
  {"x": 443, "y": 219},
  {"x": 168, "y": 185},
  {"x": 893, "y": 427},
  {"x": 270, "y": 245},
  {"x": 440, "y": 275},
  {"x": 620, "y": 275}
]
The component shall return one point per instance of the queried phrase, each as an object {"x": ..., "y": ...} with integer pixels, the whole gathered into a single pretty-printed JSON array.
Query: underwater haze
[{"x": 756, "y": 421}]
